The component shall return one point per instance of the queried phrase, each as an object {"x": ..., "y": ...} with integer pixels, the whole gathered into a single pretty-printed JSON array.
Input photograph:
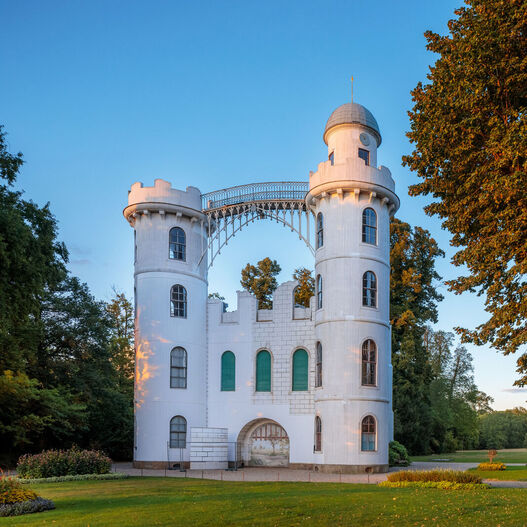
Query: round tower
[
  {"x": 170, "y": 310},
  {"x": 352, "y": 201}
]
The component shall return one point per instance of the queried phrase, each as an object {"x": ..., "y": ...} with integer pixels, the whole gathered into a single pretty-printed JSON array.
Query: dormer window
[
  {"x": 365, "y": 156},
  {"x": 332, "y": 158}
]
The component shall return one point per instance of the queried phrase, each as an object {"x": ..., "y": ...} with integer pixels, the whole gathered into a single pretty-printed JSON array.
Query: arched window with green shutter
[
  {"x": 263, "y": 371},
  {"x": 300, "y": 370},
  {"x": 228, "y": 372}
]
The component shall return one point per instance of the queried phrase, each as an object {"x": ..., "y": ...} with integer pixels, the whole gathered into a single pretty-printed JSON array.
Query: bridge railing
[{"x": 272, "y": 191}]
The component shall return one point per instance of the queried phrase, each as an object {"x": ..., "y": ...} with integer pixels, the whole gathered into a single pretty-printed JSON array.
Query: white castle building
[{"x": 287, "y": 386}]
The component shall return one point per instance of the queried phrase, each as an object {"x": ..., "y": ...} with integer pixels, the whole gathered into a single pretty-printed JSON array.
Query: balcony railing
[{"x": 274, "y": 191}]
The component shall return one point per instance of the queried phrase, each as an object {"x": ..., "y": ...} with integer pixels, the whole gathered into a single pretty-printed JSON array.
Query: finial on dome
[{"x": 352, "y": 89}]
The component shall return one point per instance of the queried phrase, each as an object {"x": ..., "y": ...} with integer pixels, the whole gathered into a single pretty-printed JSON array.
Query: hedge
[
  {"x": 78, "y": 477},
  {"x": 52, "y": 463}
]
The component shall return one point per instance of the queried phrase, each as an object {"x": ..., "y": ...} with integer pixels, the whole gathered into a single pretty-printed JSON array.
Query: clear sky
[{"x": 99, "y": 94}]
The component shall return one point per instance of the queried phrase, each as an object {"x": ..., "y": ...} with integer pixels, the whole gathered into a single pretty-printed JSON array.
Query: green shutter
[
  {"x": 263, "y": 371},
  {"x": 300, "y": 370},
  {"x": 228, "y": 372}
]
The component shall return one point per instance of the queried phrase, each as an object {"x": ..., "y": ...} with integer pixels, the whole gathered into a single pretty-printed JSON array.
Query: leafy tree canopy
[
  {"x": 260, "y": 280},
  {"x": 469, "y": 128},
  {"x": 306, "y": 286}
]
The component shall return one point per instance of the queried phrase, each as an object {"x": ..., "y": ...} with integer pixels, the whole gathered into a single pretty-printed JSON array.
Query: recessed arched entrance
[{"x": 264, "y": 443}]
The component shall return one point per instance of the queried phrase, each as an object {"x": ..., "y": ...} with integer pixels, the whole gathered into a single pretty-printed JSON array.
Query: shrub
[
  {"x": 445, "y": 485},
  {"x": 455, "y": 476},
  {"x": 492, "y": 466},
  {"x": 397, "y": 454},
  {"x": 79, "y": 477},
  {"x": 26, "y": 507},
  {"x": 52, "y": 463},
  {"x": 12, "y": 492}
]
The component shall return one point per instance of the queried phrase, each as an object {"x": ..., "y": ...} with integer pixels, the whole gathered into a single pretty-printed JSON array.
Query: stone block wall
[{"x": 208, "y": 448}]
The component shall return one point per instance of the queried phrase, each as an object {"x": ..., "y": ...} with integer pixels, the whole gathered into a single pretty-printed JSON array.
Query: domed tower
[
  {"x": 170, "y": 301},
  {"x": 353, "y": 200}
]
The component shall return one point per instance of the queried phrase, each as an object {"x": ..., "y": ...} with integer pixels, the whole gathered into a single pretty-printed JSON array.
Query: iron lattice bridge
[{"x": 229, "y": 210}]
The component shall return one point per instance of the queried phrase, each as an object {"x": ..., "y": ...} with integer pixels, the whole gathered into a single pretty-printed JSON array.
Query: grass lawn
[
  {"x": 513, "y": 455},
  {"x": 188, "y": 502},
  {"x": 511, "y": 474}
]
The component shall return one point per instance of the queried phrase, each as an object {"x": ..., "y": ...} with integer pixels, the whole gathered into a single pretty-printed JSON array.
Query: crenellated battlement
[
  {"x": 162, "y": 198},
  {"x": 247, "y": 311}
]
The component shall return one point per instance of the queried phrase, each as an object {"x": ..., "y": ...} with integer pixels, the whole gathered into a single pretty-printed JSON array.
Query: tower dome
[{"x": 353, "y": 113}]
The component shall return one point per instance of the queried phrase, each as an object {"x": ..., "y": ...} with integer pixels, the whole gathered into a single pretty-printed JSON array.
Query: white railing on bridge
[{"x": 254, "y": 192}]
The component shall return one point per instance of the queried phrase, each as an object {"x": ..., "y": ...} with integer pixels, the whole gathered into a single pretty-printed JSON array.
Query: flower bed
[
  {"x": 445, "y": 485},
  {"x": 26, "y": 507},
  {"x": 492, "y": 466},
  {"x": 454, "y": 476},
  {"x": 16, "y": 500},
  {"x": 52, "y": 463}
]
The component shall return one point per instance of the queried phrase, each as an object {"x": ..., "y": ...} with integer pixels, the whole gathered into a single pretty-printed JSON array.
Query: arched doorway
[{"x": 264, "y": 443}]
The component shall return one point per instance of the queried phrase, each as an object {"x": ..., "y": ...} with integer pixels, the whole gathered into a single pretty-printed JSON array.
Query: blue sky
[{"x": 100, "y": 94}]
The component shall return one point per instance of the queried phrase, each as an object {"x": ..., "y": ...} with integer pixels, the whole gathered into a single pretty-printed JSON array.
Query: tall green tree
[
  {"x": 306, "y": 286},
  {"x": 469, "y": 128},
  {"x": 31, "y": 262},
  {"x": 260, "y": 280},
  {"x": 413, "y": 304},
  {"x": 84, "y": 350},
  {"x": 121, "y": 313}
]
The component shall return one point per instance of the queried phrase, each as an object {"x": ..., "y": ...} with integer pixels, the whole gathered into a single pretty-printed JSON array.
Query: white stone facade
[{"x": 278, "y": 426}]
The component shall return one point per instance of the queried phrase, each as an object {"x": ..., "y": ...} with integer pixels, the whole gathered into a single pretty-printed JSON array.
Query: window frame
[
  {"x": 368, "y": 229},
  {"x": 223, "y": 383},
  {"x": 369, "y": 292},
  {"x": 365, "y": 159},
  {"x": 256, "y": 387},
  {"x": 176, "y": 443},
  {"x": 317, "y": 447},
  {"x": 181, "y": 245},
  {"x": 366, "y": 364},
  {"x": 318, "y": 365},
  {"x": 320, "y": 231},
  {"x": 369, "y": 433},
  {"x": 319, "y": 291},
  {"x": 331, "y": 158},
  {"x": 175, "y": 310},
  {"x": 180, "y": 369},
  {"x": 299, "y": 386}
]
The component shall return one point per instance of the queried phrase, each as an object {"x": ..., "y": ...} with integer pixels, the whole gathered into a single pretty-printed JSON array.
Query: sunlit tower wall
[
  {"x": 153, "y": 212},
  {"x": 343, "y": 187}
]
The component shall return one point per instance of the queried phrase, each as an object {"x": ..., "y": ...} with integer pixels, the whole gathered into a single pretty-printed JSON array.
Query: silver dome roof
[{"x": 353, "y": 113}]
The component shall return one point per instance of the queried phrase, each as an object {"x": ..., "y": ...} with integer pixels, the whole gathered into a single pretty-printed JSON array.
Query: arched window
[
  {"x": 320, "y": 230},
  {"x": 318, "y": 370},
  {"x": 178, "y": 368},
  {"x": 319, "y": 292},
  {"x": 300, "y": 370},
  {"x": 369, "y": 363},
  {"x": 263, "y": 371},
  {"x": 369, "y": 289},
  {"x": 318, "y": 434},
  {"x": 178, "y": 432},
  {"x": 176, "y": 244},
  {"x": 368, "y": 434},
  {"x": 369, "y": 226},
  {"x": 228, "y": 372},
  {"x": 178, "y": 301}
]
